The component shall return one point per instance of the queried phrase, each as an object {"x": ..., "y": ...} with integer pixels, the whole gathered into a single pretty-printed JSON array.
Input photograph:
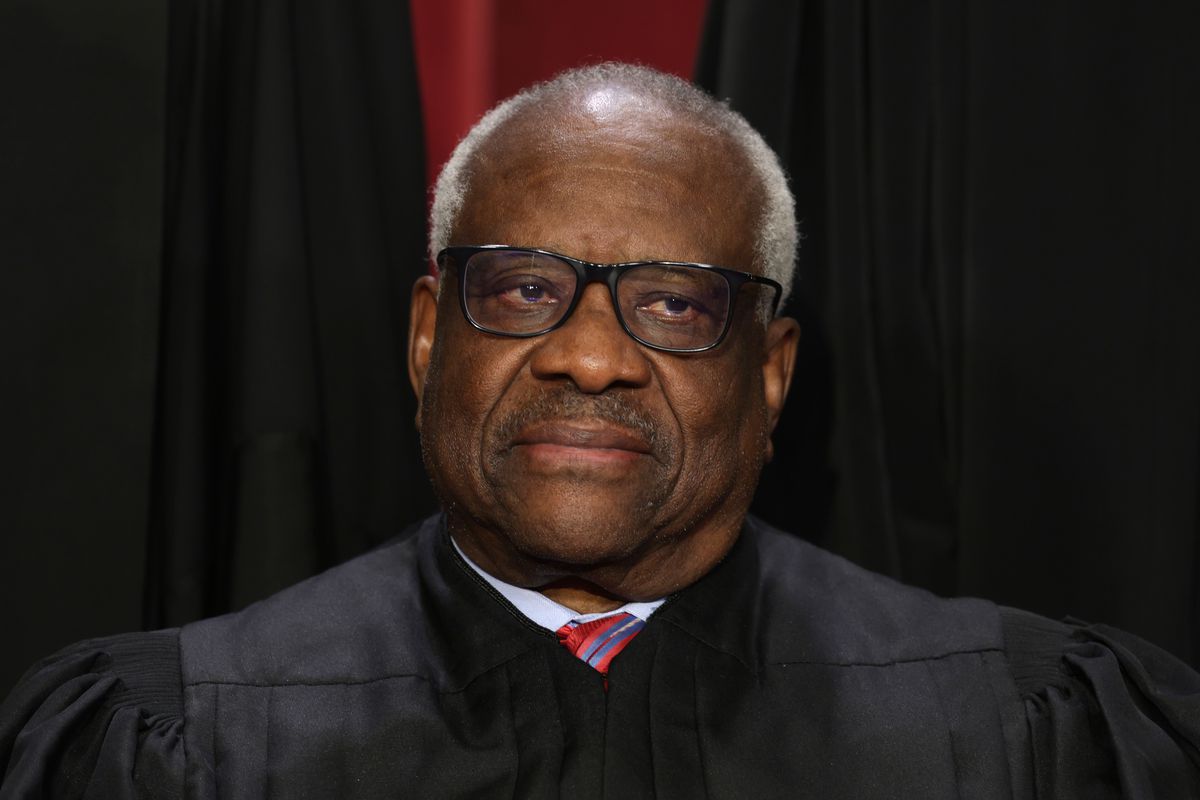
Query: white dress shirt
[{"x": 545, "y": 612}]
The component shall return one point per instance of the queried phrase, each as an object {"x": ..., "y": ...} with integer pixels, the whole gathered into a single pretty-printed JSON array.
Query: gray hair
[{"x": 776, "y": 237}]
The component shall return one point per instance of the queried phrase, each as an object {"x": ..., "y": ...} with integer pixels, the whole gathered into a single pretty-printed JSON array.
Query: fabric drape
[
  {"x": 783, "y": 672},
  {"x": 81, "y": 175},
  {"x": 999, "y": 289},
  {"x": 293, "y": 231}
]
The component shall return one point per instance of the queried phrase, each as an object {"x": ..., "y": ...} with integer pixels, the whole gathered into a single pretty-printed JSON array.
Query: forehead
[{"x": 609, "y": 183}]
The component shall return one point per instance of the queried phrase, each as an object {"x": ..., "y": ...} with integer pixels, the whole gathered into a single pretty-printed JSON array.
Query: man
[{"x": 600, "y": 368}]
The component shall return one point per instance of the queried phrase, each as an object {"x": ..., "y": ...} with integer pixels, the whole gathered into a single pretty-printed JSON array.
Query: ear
[
  {"x": 421, "y": 325},
  {"x": 782, "y": 338}
]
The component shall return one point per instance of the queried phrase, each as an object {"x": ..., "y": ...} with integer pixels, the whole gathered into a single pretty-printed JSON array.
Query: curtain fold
[
  {"x": 81, "y": 174},
  {"x": 294, "y": 227},
  {"x": 998, "y": 289}
]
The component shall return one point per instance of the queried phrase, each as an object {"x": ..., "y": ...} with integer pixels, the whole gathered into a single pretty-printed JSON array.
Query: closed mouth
[{"x": 582, "y": 435}]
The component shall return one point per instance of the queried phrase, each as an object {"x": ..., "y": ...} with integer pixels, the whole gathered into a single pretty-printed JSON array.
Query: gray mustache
[{"x": 571, "y": 404}]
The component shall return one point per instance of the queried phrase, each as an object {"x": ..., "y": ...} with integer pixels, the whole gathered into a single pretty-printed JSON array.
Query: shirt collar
[{"x": 543, "y": 611}]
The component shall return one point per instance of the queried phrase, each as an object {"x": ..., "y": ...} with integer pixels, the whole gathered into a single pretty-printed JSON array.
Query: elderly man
[{"x": 594, "y": 614}]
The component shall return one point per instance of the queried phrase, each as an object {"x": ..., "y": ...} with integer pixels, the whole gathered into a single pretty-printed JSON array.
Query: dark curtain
[
  {"x": 81, "y": 155},
  {"x": 1000, "y": 385},
  {"x": 294, "y": 228}
]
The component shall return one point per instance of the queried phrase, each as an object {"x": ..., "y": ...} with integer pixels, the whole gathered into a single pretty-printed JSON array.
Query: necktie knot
[{"x": 598, "y": 641}]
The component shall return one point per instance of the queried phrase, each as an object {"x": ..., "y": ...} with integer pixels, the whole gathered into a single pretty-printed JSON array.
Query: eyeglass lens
[{"x": 520, "y": 292}]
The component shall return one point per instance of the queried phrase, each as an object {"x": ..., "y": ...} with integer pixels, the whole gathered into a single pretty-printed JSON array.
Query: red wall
[{"x": 473, "y": 53}]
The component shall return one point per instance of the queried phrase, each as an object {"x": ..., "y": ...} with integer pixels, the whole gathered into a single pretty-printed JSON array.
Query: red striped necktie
[{"x": 597, "y": 642}]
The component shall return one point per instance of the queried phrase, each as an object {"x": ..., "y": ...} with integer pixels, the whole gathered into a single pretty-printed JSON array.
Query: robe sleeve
[
  {"x": 1108, "y": 714},
  {"x": 102, "y": 719}
]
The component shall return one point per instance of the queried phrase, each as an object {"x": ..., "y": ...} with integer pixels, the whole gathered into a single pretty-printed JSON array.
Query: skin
[{"x": 580, "y": 462}]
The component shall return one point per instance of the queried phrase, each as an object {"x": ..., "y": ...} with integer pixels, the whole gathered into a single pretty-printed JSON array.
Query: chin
[
  {"x": 580, "y": 521},
  {"x": 582, "y": 539}
]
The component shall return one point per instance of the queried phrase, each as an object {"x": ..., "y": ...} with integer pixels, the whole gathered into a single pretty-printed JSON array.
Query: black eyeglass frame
[{"x": 588, "y": 272}]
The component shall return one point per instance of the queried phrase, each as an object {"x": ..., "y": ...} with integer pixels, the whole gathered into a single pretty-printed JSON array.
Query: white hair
[{"x": 776, "y": 236}]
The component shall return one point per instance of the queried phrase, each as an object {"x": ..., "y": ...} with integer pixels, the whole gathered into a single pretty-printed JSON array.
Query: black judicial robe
[{"x": 786, "y": 672}]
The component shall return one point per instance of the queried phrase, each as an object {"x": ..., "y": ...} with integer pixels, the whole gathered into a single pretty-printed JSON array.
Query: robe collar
[{"x": 482, "y": 629}]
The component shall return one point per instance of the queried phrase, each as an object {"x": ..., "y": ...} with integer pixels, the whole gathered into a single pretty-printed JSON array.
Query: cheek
[
  {"x": 468, "y": 374},
  {"x": 723, "y": 418}
]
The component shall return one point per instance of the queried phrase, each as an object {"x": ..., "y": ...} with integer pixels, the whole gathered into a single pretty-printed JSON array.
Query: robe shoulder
[
  {"x": 1101, "y": 712},
  {"x": 818, "y": 607},
  {"x": 1108, "y": 714},
  {"x": 105, "y": 717},
  {"x": 357, "y": 622},
  {"x": 101, "y": 718}
]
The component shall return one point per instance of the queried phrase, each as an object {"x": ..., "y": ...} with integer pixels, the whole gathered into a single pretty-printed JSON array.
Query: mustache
[{"x": 568, "y": 403}]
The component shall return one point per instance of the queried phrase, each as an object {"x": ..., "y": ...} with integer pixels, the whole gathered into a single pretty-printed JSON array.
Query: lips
[{"x": 582, "y": 436}]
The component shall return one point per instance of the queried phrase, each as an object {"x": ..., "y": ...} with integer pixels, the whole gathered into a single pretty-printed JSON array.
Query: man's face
[{"x": 582, "y": 453}]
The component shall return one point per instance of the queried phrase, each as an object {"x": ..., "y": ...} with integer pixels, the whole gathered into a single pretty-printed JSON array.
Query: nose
[{"x": 591, "y": 349}]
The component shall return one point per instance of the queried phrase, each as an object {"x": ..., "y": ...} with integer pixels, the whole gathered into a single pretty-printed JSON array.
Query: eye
[
  {"x": 520, "y": 291},
  {"x": 525, "y": 290},
  {"x": 676, "y": 305},
  {"x": 672, "y": 308},
  {"x": 530, "y": 292}
]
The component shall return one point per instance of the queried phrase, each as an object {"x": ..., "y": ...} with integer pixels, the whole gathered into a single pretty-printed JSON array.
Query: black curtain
[
  {"x": 294, "y": 228},
  {"x": 1000, "y": 290},
  {"x": 210, "y": 217},
  {"x": 81, "y": 155}
]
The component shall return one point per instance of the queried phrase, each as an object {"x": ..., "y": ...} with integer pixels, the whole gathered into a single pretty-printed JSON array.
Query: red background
[{"x": 473, "y": 53}]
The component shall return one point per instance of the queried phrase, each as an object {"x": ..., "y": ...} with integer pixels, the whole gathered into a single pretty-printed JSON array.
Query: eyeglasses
[{"x": 674, "y": 306}]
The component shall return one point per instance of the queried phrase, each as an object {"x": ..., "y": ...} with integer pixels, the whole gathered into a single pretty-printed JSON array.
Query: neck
[
  {"x": 667, "y": 566},
  {"x": 581, "y": 596}
]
